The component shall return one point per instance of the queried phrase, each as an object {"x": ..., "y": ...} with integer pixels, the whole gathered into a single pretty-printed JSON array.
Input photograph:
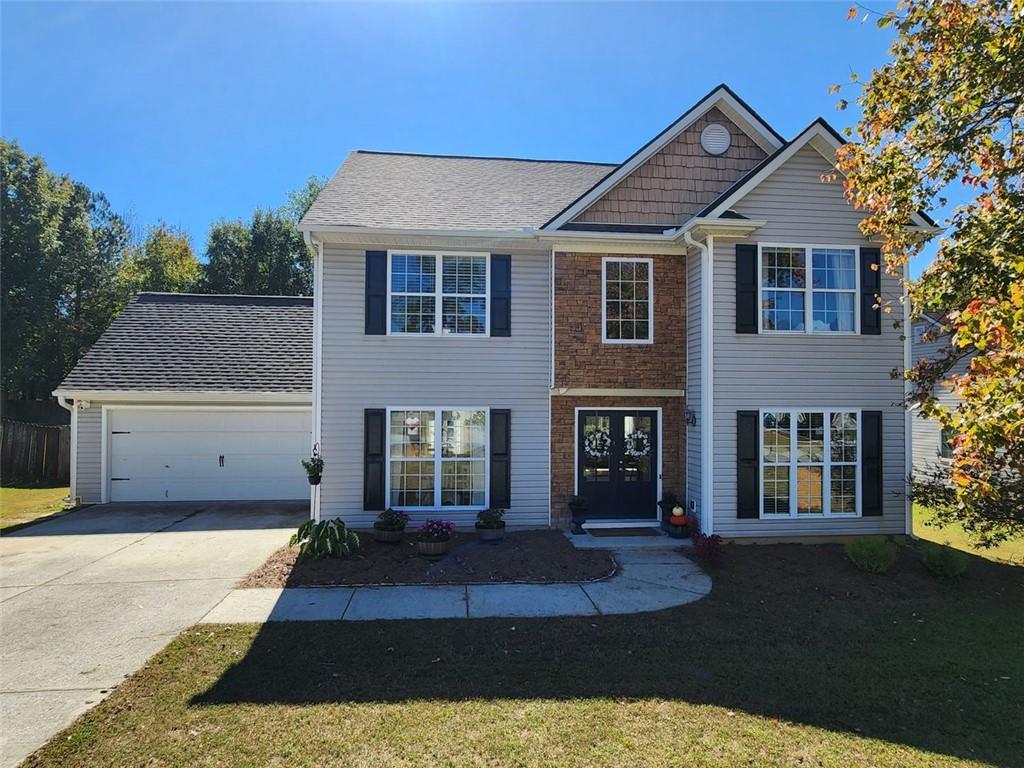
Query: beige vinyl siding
[
  {"x": 89, "y": 472},
  {"x": 803, "y": 370},
  {"x": 693, "y": 384},
  {"x": 361, "y": 371}
]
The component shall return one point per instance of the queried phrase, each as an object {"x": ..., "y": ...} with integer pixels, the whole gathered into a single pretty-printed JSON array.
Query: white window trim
[
  {"x": 439, "y": 294},
  {"x": 826, "y": 474},
  {"x": 604, "y": 299},
  {"x": 437, "y": 459},
  {"x": 809, "y": 290}
]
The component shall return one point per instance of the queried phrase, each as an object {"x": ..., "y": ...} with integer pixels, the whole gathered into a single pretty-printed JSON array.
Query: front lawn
[
  {"x": 20, "y": 504},
  {"x": 955, "y": 536},
  {"x": 795, "y": 659}
]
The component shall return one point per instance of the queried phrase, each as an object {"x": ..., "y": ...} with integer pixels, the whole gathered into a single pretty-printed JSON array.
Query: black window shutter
[
  {"x": 871, "y": 463},
  {"x": 376, "y": 292},
  {"x": 746, "y": 288},
  {"x": 501, "y": 458},
  {"x": 870, "y": 288},
  {"x": 748, "y": 481},
  {"x": 501, "y": 295},
  {"x": 374, "y": 424}
]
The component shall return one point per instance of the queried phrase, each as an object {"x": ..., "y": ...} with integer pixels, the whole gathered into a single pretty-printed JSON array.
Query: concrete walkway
[
  {"x": 87, "y": 598},
  {"x": 652, "y": 576}
]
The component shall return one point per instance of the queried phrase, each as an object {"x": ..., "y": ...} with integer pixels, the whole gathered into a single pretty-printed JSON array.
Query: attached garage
[
  {"x": 194, "y": 398},
  {"x": 207, "y": 454}
]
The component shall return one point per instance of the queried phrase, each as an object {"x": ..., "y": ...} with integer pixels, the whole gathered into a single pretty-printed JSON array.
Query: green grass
[
  {"x": 955, "y": 536},
  {"x": 20, "y": 504},
  {"x": 795, "y": 659}
]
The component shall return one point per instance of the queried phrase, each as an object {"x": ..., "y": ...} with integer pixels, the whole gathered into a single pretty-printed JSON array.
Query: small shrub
[
  {"x": 328, "y": 538},
  {"x": 490, "y": 518},
  {"x": 707, "y": 548},
  {"x": 943, "y": 562},
  {"x": 872, "y": 553},
  {"x": 391, "y": 520},
  {"x": 436, "y": 530}
]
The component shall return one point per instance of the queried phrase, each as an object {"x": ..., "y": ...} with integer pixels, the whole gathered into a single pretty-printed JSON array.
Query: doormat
[{"x": 599, "y": 532}]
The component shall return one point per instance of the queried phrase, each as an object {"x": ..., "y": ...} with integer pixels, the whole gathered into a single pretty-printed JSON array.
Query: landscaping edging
[{"x": 646, "y": 580}]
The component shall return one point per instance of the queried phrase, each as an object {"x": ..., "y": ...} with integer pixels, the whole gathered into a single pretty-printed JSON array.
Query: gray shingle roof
[
  {"x": 188, "y": 342},
  {"x": 404, "y": 191}
]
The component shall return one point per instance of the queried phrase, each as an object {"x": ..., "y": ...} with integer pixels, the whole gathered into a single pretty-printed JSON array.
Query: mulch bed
[{"x": 534, "y": 557}]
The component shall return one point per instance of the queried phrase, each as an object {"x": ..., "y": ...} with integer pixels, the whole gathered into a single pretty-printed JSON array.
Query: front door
[{"x": 617, "y": 471}]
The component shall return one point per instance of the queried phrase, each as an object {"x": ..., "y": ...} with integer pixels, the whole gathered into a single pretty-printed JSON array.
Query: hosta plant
[{"x": 328, "y": 538}]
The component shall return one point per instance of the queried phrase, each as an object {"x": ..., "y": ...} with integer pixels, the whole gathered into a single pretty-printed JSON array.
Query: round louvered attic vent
[{"x": 715, "y": 139}]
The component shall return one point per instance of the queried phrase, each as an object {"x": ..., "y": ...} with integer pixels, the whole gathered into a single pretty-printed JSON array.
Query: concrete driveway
[{"x": 87, "y": 598}]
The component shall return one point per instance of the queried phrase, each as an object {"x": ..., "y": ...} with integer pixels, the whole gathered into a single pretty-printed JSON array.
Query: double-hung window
[
  {"x": 808, "y": 289},
  {"x": 627, "y": 287},
  {"x": 437, "y": 458},
  {"x": 809, "y": 463},
  {"x": 434, "y": 293}
]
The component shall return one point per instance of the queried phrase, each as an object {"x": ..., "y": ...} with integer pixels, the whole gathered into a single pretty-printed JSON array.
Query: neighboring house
[
  {"x": 699, "y": 320},
  {"x": 933, "y": 444}
]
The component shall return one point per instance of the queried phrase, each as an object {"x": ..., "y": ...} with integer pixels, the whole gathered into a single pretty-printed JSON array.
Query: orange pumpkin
[{"x": 678, "y": 520}]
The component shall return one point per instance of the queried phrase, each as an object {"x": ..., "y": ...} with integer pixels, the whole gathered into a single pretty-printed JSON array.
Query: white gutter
[
  {"x": 164, "y": 396},
  {"x": 318, "y": 292},
  {"x": 706, "y": 416}
]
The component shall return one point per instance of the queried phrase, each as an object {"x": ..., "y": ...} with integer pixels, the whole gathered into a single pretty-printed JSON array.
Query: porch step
[{"x": 661, "y": 541}]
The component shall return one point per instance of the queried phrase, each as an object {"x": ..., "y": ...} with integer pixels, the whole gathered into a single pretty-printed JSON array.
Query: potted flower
[
  {"x": 678, "y": 523},
  {"x": 578, "y": 509},
  {"x": 433, "y": 537},
  {"x": 389, "y": 526},
  {"x": 314, "y": 467},
  {"x": 490, "y": 525}
]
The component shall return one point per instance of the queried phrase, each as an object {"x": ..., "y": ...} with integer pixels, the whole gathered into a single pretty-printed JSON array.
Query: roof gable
[
  {"x": 722, "y": 97},
  {"x": 677, "y": 181}
]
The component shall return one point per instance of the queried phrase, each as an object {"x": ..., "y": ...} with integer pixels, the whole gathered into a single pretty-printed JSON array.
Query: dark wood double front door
[{"x": 617, "y": 463}]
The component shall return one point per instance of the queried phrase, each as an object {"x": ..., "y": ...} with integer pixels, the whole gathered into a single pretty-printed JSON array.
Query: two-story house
[{"x": 699, "y": 320}]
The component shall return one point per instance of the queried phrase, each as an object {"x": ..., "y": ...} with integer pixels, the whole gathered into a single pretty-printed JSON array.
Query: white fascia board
[
  {"x": 218, "y": 396},
  {"x": 721, "y": 98},
  {"x": 701, "y": 227}
]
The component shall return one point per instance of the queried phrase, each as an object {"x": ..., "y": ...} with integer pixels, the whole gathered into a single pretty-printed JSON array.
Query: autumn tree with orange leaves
[{"x": 945, "y": 110}]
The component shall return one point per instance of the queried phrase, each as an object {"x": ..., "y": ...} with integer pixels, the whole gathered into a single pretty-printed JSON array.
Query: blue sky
[{"x": 192, "y": 112}]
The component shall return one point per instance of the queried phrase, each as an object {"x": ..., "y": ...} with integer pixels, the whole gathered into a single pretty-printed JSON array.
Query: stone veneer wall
[
  {"x": 563, "y": 415},
  {"x": 582, "y": 360}
]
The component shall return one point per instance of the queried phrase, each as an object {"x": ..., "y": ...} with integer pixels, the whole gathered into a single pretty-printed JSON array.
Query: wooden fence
[{"x": 33, "y": 453}]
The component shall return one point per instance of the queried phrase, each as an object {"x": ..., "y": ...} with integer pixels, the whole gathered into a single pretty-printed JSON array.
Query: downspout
[
  {"x": 69, "y": 405},
  {"x": 318, "y": 261},
  {"x": 908, "y": 427},
  {"x": 707, "y": 511},
  {"x": 551, "y": 384}
]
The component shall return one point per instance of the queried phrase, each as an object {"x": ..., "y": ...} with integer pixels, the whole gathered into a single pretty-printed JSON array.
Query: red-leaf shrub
[{"x": 707, "y": 548}]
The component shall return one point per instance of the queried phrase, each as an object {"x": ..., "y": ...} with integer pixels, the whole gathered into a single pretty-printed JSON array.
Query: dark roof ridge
[
  {"x": 152, "y": 297},
  {"x": 481, "y": 157}
]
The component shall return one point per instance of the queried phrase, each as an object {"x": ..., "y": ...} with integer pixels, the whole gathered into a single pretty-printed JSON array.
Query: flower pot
[
  {"x": 679, "y": 531},
  {"x": 432, "y": 549},
  {"x": 314, "y": 479},
  {"x": 491, "y": 535},
  {"x": 388, "y": 535}
]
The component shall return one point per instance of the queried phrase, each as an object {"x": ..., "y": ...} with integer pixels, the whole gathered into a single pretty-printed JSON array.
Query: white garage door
[{"x": 181, "y": 454}]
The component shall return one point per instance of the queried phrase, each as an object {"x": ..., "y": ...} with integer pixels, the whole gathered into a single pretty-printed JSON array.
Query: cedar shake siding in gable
[
  {"x": 762, "y": 370},
  {"x": 583, "y": 360},
  {"x": 678, "y": 181}
]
